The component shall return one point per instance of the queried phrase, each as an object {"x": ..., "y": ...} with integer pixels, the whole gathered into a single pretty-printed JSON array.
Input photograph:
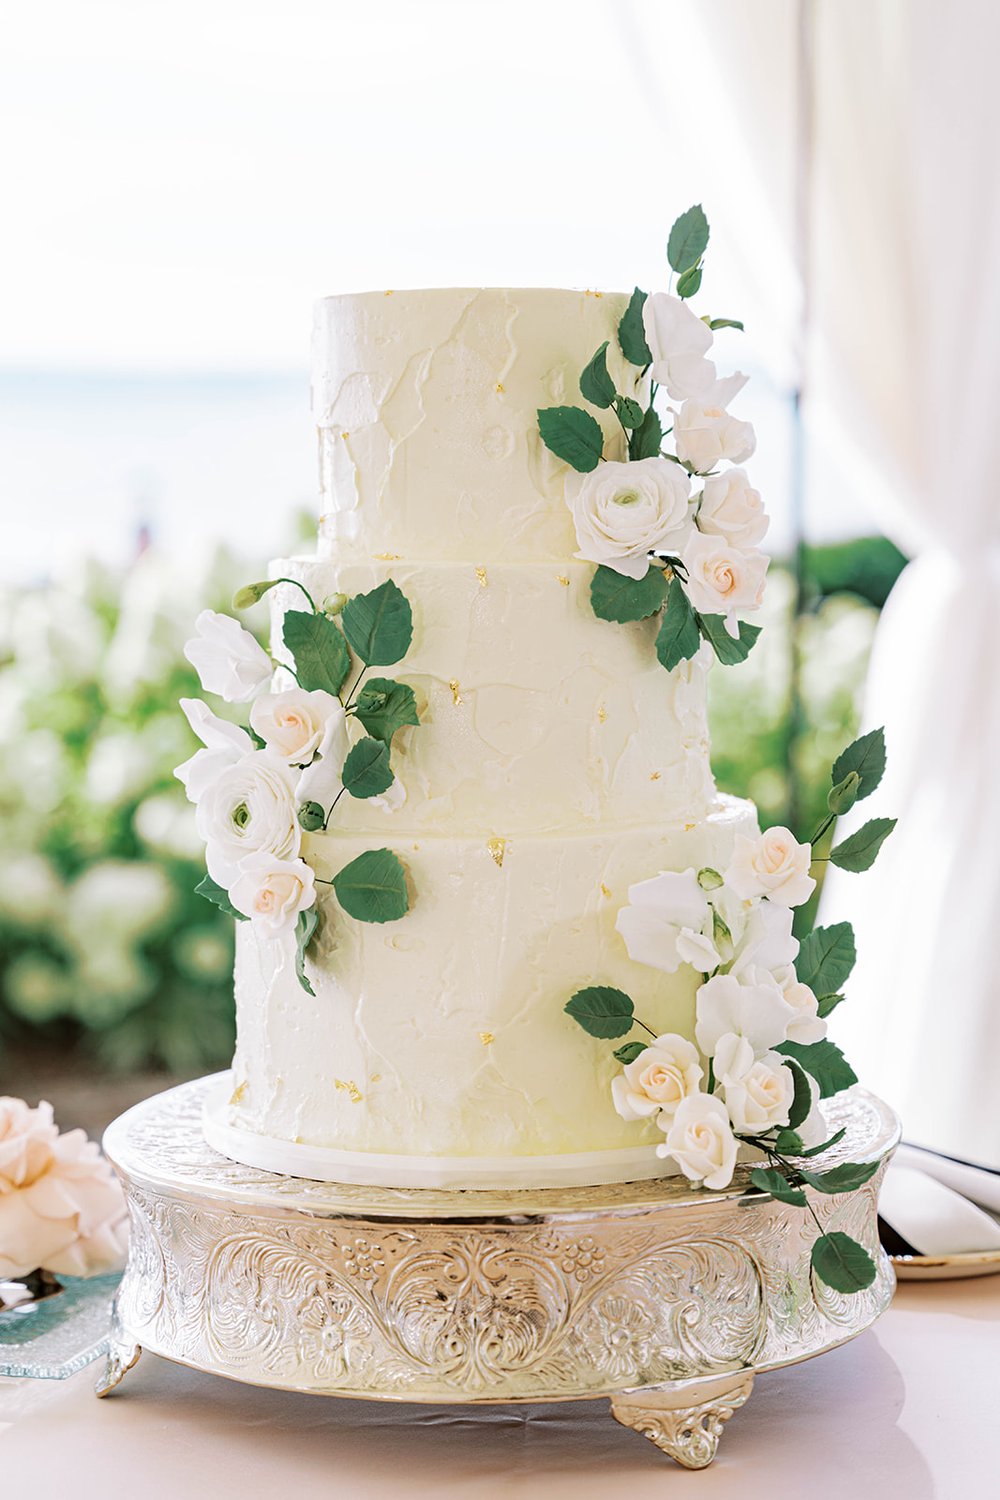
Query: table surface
[{"x": 906, "y": 1410}]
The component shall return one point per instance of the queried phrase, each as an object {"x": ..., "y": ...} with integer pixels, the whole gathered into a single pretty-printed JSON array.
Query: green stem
[
  {"x": 297, "y": 585},
  {"x": 357, "y": 684},
  {"x": 824, "y": 827},
  {"x": 637, "y": 1022}
]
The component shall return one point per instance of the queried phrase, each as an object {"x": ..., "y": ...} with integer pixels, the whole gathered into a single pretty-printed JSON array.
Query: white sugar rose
[
  {"x": 774, "y": 865},
  {"x": 701, "y": 1141},
  {"x": 224, "y": 744},
  {"x": 662, "y": 913},
  {"x": 292, "y": 724},
  {"x": 272, "y": 892},
  {"x": 623, "y": 511},
  {"x": 666, "y": 1072},
  {"x": 732, "y": 509},
  {"x": 723, "y": 580},
  {"x": 758, "y": 1090},
  {"x": 61, "y": 1207},
  {"x": 757, "y": 1012},
  {"x": 227, "y": 658},
  {"x": 806, "y": 1026},
  {"x": 678, "y": 342},
  {"x": 705, "y": 434},
  {"x": 249, "y": 809}
]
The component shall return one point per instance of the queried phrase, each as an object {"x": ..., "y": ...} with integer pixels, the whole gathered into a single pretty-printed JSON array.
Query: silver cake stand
[{"x": 663, "y": 1298}]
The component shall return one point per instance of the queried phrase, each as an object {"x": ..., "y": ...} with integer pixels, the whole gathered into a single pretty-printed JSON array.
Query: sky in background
[{"x": 181, "y": 182}]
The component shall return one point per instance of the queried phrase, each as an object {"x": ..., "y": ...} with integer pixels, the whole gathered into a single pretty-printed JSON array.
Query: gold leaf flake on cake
[
  {"x": 561, "y": 578},
  {"x": 602, "y": 714},
  {"x": 349, "y": 1087},
  {"x": 654, "y": 775},
  {"x": 499, "y": 388},
  {"x": 456, "y": 696},
  {"x": 486, "y": 1037},
  {"x": 690, "y": 827},
  {"x": 387, "y": 556},
  {"x": 238, "y": 1093},
  {"x": 481, "y": 575},
  {"x": 496, "y": 848},
  {"x": 605, "y": 891},
  {"x": 345, "y": 436},
  {"x": 387, "y": 294},
  {"x": 376, "y": 1078}
]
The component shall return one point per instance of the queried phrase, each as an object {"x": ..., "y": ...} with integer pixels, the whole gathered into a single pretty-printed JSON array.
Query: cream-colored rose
[
  {"x": 774, "y": 865},
  {"x": 272, "y": 892},
  {"x": 806, "y": 1025},
  {"x": 758, "y": 1091},
  {"x": 61, "y": 1207},
  {"x": 722, "y": 580},
  {"x": 732, "y": 509},
  {"x": 624, "y": 511},
  {"x": 701, "y": 1141},
  {"x": 227, "y": 658},
  {"x": 249, "y": 809},
  {"x": 705, "y": 434},
  {"x": 665, "y": 1073},
  {"x": 678, "y": 342},
  {"x": 292, "y": 724}
]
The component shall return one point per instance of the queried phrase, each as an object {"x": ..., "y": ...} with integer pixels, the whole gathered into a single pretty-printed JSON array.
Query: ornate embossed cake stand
[{"x": 665, "y": 1299}]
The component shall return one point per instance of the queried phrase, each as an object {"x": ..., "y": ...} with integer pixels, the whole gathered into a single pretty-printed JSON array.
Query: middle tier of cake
[{"x": 535, "y": 716}]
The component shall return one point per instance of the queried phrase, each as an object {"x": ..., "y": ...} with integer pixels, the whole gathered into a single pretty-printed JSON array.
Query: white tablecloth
[{"x": 908, "y": 1410}]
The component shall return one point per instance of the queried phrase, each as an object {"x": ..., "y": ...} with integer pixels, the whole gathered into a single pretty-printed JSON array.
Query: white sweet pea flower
[
  {"x": 732, "y": 509},
  {"x": 292, "y": 724},
  {"x": 678, "y": 342},
  {"x": 701, "y": 1141},
  {"x": 249, "y": 809},
  {"x": 723, "y": 580},
  {"x": 227, "y": 658},
  {"x": 705, "y": 434},
  {"x": 623, "y": 511},
  {"x": 757, "y": 1012},
  {"x": 758, "y": 1090},
  {"x": 661, "y": 1076},
  {"x": 806, "y": 1026},
  {"x": 662, "y": 915},
  {"x": 814, "y": 1129},
  {"x": 764, "y": 940},
  {"x": 224, "y": 743},
  {"x": 775, "y": 865},
  {"x": 272, "y": 892}
]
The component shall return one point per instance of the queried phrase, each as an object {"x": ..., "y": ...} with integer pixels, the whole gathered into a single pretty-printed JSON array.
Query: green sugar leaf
[
  {"x": 632, "y": 334},
  {"x": 729, "y": 649},
  {"x": 615, "y": 597},
  {"x": 318, "y": 651},
  {"x": 860, "y": 851},
  {"x": 801, "y": 1099},
  {"x": 645, "y": 440},
  {"x": 630, "y": 1051},
  {"x": 823, "y": 1061},
  {"x": 826, "y": 1004},
  {"x": 716, "y": 323},
  {"x": 866, "y": 756},
  {"x": 596, "y": 385},
  {"x": 573, "y": 435},
  {"x": 826, "y": 958},
  {"x": 802, "y": 1150},
  {"x": 842, "y": 1263},
  {"x": 678, "y": 639},
  {"x": 383, "y": 706},
  {"x": 843, "y": 1178},
  {"x": 379, "y": 625},
  {"x": 305, "y": 930},
  {"x": 601, "y": 1011},
  {"x": 773, "y": 1182},
  {"x": 218, "y": 896},
  {"x": 688, "y": 239},
  {"x": 366, "y": 770},
  {"x": 689, "y": 282},
  {"x": 630, "y": 413},
  {"x": 372, "y": 888}
]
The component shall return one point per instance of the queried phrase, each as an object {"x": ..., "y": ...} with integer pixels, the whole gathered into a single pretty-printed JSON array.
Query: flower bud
[
  {"x": 842, "y": 797},
  {"x": 709, "y": 879},
  {"x": 311, "y": 817},
  {"x": 251, "y": 593},
  {"x": 334, "y": 603}
]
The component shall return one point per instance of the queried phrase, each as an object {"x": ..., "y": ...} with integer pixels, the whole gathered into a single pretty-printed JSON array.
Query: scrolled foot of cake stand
[
  {"x": 687, "y": 1431},
  {"x": 122, "y": 1357}
]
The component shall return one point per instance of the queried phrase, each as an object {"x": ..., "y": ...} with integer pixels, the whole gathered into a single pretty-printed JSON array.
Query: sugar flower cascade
[{"x": 261, "y": 790}]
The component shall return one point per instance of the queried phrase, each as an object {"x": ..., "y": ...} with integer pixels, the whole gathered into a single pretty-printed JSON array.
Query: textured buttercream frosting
[{"x": 556, "y": 762}]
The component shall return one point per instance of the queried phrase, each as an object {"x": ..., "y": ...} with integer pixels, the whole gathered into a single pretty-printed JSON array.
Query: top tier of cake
[{"x": 426, "y": 405}]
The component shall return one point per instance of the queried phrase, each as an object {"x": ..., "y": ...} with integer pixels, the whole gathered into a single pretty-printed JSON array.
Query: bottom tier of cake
[{"x": 443, "y": 1035}]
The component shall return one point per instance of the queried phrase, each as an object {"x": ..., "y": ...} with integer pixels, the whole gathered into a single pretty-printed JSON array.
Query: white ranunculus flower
[
  {"x": 758, "y": 1091},
  {"x": 705, "y": 434},
  {"x": 623, "y": 511},
  {"x": 661, "y": 1076},
  {"x": 732, "y": 509},
  {"x": 678, "y": 342},
  {"x": 249, "y": 809},
  {"x": 659, "y": 914},
  {"x": 272, "y": 892},
  {"x": 227, "y": 658},
  {"x": 723, "y": 580},
  {"x": 224, "y": 744},
  {"x": 775, "y": 865},
  {"x": 757, "y": 1012},
  {"x": 806, "y": 1026},
  {"x": 292, "y": 724},
  {"x": 701, "y": 1141}
]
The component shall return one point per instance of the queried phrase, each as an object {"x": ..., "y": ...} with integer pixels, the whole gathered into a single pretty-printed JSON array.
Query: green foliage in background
[{"x": 103, "y": 941}]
